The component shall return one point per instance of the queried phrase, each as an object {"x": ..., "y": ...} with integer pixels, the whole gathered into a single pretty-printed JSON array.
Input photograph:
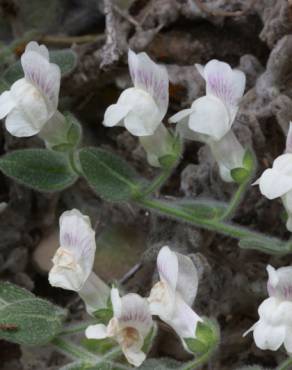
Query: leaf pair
[{"x": 46, "y": 170}]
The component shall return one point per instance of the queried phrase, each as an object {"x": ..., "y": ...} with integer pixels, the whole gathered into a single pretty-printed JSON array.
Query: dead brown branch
[{"x": 221, "y": 13}]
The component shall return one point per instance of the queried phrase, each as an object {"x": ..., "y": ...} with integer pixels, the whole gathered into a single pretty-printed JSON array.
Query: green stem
[
  {"x": 286, "y": 365},
  {"x": 73, "y": 351},
  {"x": 158, "y": 182},
  {"x": 263, "y": 243},
  {"x": 235, "y": 201},
  {"x": 191, "y": 365}
]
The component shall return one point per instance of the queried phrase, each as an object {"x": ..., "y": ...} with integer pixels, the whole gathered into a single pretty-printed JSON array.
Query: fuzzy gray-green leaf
[
  {"x": 25, "y": 319},
  {"x": 111, "y": 177},
  {"x": 40, "y": 169}
]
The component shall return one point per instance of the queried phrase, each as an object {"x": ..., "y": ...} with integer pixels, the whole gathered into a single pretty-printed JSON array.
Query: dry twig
[{"x": 221, "y": 13}]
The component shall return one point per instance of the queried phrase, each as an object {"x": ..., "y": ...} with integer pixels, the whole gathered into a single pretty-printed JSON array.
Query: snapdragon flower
[
  {"x": 276, "y": 182},
  {"x": 141, "y": 108},
  {"x": 211, "y": 117},
  {"x": 73, "y": 261},
  {"x": 33, "y": 99},
  {"x": 274, "y": 326},
  {"x": 172, "y": 297},
  {"x": 130, "y": 325}
]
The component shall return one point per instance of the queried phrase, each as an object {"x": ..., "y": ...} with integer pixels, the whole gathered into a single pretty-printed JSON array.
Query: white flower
[
  {"x": 129, "y": 326},
  {"x": 32, "y": 100},
  {"x": 277, "y": 182},
  {"x": 172, "y": 297},
  {"x": 274, "y": 326},
  {"x": 74, "y": 260},
  {"x": 141, "y": 108},
  {"x": 158, "y": 145},
  {"x": 210, "y": 117},
  {"x": 213, "y": 114}
]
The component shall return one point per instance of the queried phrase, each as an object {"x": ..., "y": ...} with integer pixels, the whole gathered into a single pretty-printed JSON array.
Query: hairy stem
[
  {"x": 158, "y": 182},
  {"x": 199, "y": 361},
  {"x": 73, "y": 351},
  {"x": 235, "y": 201},
  {"x": 261, "y": 241}
]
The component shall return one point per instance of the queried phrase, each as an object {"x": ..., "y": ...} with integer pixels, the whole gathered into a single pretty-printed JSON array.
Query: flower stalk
[
  {"x": 235, "y": 201},
  {"x": 257, "y": 240},
  {"x": 73, "y": 351}
]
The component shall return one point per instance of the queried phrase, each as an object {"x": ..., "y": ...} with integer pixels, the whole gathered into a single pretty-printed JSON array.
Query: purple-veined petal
[
  {"x": 77, "y": 235},
  {"x": 136, "y": 314},
  {"x": 187, "y": 283},
  {"x": 209, "y": 117},
  {"x": 98, "y": 331},
  {"x": 167, "y": 265},
  {"x": 226, "y": 84},
  {"x": 150, "y": 77},
  {"x": 280, "y": 282},
  {"x": 45, "y": 76},
  {"x": 6, "y": 104}
]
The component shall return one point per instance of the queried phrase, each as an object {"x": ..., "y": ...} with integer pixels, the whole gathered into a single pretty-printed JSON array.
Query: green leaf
[
  {"x": 240, "y": 174},
  {"x": 66, "y": 59},
  {"x": 207, "y": 337},
  {"x": 25, "y": 319},
  {"x": 40, "y": 169},
  {"x": 249, "y": 160},
  {"x": 202, "y": 209},
  {"x": 196, "y": 346},
  {"x": 111, "y": 177}
]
